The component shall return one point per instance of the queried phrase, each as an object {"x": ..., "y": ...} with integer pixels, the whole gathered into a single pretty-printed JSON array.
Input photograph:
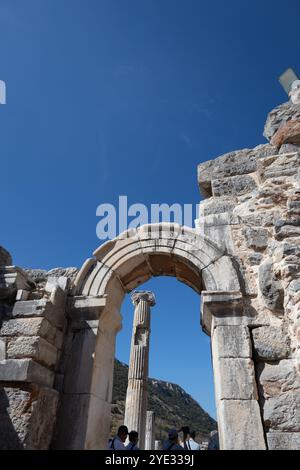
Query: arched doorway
[
  {"x": 180, "y": 367},
  {"x": 118, "y": 267}
]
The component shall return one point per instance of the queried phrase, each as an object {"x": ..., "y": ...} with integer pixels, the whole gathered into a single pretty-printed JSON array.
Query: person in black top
[
  {"x": 133, "y": 440},
  {"x": 172, "y": 442}
]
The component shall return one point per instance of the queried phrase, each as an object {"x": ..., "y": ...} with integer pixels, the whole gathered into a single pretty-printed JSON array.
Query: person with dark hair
[
  {"x": 185, "y": 439},
  {"x": 172, "y": 442},
  {"x": 192, "y": 443},
  {"x": 133, "y": 440},
  {"x": 117, "y": 443}
]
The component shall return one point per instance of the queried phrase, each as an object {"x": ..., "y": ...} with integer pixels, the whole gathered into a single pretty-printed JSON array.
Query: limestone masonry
[{"x": 58, "y": 329}]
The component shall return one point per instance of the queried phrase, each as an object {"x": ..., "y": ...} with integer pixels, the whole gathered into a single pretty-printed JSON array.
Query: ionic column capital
[{"x": 146, "y": 296}]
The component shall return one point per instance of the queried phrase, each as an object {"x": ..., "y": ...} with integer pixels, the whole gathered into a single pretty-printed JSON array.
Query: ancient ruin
[
  {"x": 136, "y": 398},
  {"x": 58, "y": 331}
]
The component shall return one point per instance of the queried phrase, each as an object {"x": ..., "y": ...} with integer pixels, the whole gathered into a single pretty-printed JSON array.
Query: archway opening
[
  {"x": 180, "y": 385},
  {"x": 124, "y": 264}
]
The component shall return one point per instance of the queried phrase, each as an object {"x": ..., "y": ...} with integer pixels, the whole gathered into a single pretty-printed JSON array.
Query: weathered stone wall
[
  {"x": 252, "y": 208},
  {"x": 32, "y": 327}
]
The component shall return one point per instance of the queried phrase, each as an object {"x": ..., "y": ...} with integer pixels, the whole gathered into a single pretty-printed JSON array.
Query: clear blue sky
[{"x": 110, "y": 97}]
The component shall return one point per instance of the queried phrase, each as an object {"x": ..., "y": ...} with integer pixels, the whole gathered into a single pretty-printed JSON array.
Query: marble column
[
  {"x": 136, "y": 397},
  {"x": 150, "y": 431}
]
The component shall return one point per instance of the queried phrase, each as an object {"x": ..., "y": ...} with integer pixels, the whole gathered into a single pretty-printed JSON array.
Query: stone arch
[
  {"x": 154, "y": 250},
  {"x": 118, "y": 267}
]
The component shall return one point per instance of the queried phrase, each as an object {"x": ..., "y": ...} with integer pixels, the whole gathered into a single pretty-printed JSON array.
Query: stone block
[
  {"x": 15, "y": 404},
  {"x": 289, "y": 148},
  {"x": 256, "y": 238},
  {"x": 216, "y": 220},
  {"x": 217, "y": 227},
  {"x": 25, "y": 370},
  {"x": 231, "y": 342},
  {"x": 279, "y": 116},
  {"x": 34, "y": 347},
  {"x": 265, "y": 150},
  {"x": 15, "y": 278},
  {"x": 279, "y": 165},
  {"x": 255, "y": 259},
  {"x": 22, "y": 295},
  {"x": 80, "y": 360},
  {"x": 271, "y": 289},
  {"x": 217, "y": 205},
  {"x": 288, "y": 133},
  {"x": 240, "y": 162},
  {"x": 43, "y": 419},
  {"x": 271, "y": 343},
  {"x": 240, "y": 425},
  {"x": 221, "y": 309},
  {"x": 221, "y": 275},
  {"x": 86, "y": 308},
  {"x": 27, "y": 416},
  {"x": 279, "y": 384},
  {"x": 32, "y": 327},
  {"x": 72, "y": 422},
  {"x": 287, "y": 231},
  {"x": 234, "y": 379},
  {"x": 41, "y": 308},
  {"x": 234, "y": 186},
  {"x": 98, "y": 424},
  {"x": 283, "y": 440},
  {"x": 282, "y": 412}
]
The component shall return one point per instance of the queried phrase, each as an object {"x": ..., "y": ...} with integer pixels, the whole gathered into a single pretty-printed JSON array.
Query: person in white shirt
[
  {"x": 117, "y": 443},
  {"x": 133, "y": 440},
  {"x": 193, "y": 444}
]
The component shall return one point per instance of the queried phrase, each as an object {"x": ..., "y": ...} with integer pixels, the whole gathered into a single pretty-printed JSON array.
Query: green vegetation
[{"x": 173, "y": 407}]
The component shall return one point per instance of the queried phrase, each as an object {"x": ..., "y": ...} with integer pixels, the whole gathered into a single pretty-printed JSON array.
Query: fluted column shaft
[{"x": 136, "y": 397}]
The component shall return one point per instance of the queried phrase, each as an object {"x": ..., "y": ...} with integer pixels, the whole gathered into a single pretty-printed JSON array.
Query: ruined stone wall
[
  {"x": 33, "y": 323},
  {"x": 252, "y": 208}
]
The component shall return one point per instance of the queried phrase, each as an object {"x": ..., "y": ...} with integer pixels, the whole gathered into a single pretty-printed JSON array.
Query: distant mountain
[{"x": 173, "y": 407}]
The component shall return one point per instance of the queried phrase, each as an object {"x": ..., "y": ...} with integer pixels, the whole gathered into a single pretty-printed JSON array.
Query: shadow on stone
[{"x": 9, "y": 439}]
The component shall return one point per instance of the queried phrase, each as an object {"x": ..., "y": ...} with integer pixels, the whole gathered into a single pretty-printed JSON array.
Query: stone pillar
[
  {"x": 150, "y": 431},
  {"x": 239, "y": 418},
  {"x": 136, "y": 398},
  {"x": 87, "y": 369}
]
